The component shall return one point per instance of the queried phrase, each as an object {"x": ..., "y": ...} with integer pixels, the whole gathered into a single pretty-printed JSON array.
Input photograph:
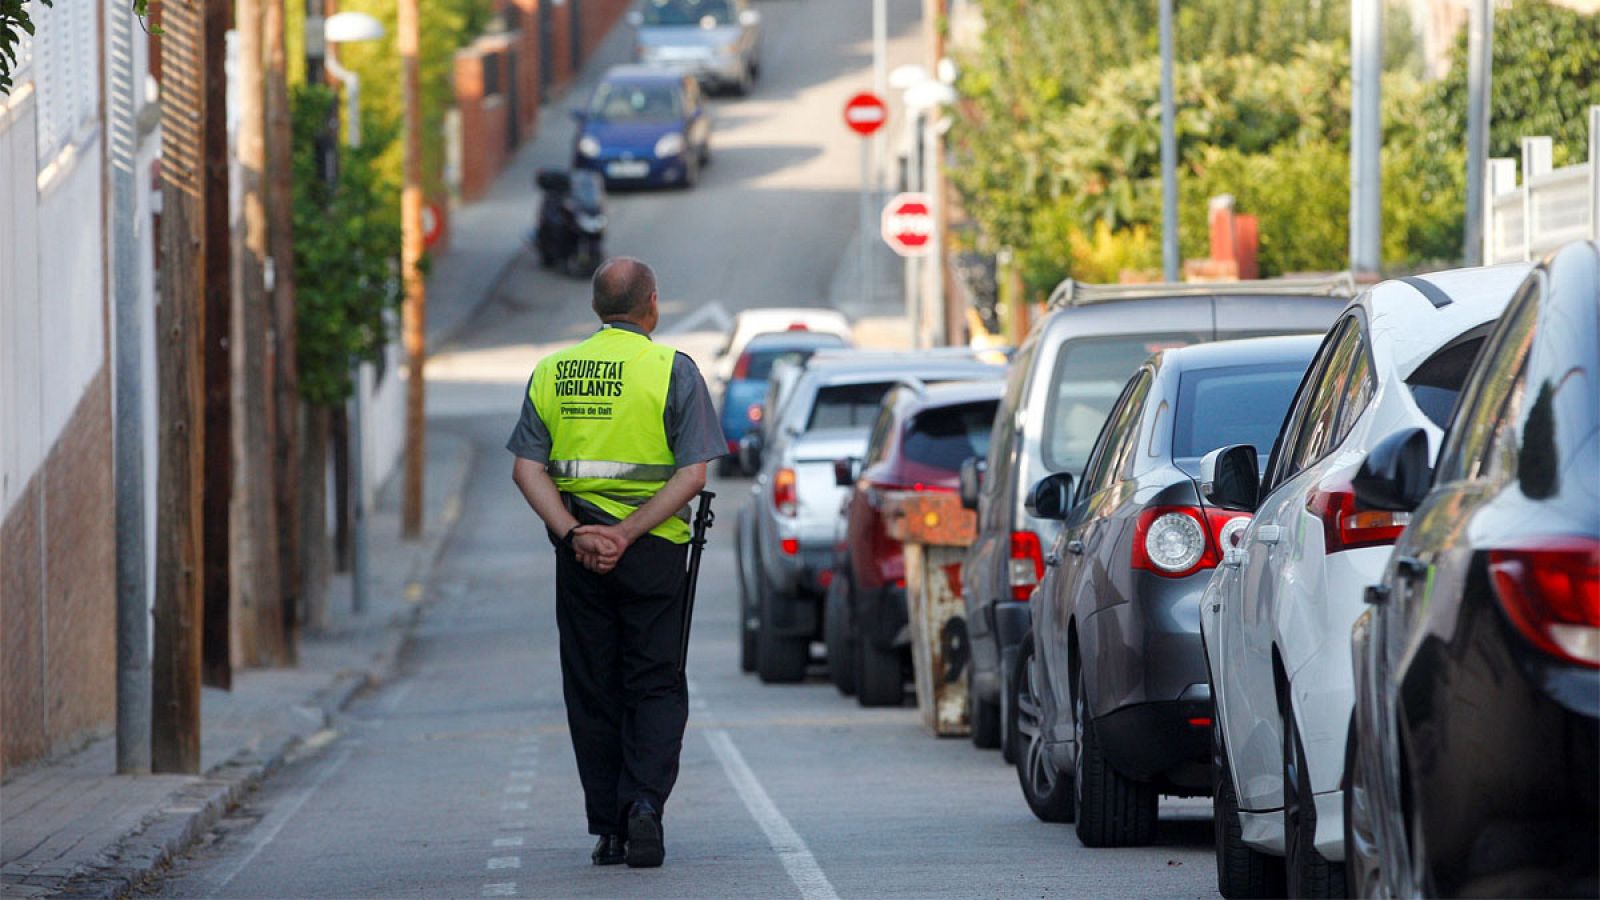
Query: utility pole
[
  {"x": 285, "y": 369},
  {"x": 133, "y": 595},
  {"x": 1366, "y": 136},
  {"x": 1169, "y": 153},
  {"x": 1480, "y": 72},
  {"x": 194, "y": 221},
  {"x": 217, "y": 303},
  {"x": 414, "y": 317},
  {"x": 255, "y": 531}
]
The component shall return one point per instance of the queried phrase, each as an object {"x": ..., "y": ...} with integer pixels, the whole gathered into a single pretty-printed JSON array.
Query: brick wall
[
  {"x": 58, "y": 593},
  {"x": 525, "y": 15},
  {"x": 597, "y": 18},
  {"x": 483, "y": 116}
]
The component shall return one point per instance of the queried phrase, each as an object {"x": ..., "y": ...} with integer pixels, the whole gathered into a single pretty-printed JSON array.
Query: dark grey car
[
  {"x": 1063, "y": 380},
  {"x": 1112, "y": 705}
]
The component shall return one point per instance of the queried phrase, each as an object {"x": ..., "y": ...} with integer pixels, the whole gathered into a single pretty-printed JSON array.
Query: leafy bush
[{"x": 346, "y": 252}]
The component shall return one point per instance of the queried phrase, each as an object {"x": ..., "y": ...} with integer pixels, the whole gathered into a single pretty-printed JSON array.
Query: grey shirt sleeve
[
  {"x": 530, "y": 439},
  {"x": 693, "y": 430}
]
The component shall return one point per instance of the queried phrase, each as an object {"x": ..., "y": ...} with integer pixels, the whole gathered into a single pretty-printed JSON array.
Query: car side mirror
[
  {"x": 846, "y": 471},
  {"x": 750, "y": 18},
  {"x": 1230, "y": 477},
  {"x": 1051, "y": 497},
  {"x": 972, "y": 472},
  {"x": 1396, "y": 474},
  {"x": 750, "y": 452},
  {"x": 635, "y": 18}
]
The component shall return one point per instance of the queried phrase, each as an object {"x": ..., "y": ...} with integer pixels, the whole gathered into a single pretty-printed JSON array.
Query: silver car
[
  {"x": 785, "y": 538},
  {"x": 718, "y": 41}
]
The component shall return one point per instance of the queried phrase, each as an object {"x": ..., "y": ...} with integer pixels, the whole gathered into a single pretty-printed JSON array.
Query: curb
[{"x": 189, "y": 812}]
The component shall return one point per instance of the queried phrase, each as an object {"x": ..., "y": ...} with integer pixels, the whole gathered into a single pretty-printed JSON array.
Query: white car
[
  {"x": 751, "y": 322},
  {"x": 1276, "y": 616}
]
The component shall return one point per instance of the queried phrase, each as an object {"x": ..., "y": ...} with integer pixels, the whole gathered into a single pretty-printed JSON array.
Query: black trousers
[{"x": 626, "y": 703}]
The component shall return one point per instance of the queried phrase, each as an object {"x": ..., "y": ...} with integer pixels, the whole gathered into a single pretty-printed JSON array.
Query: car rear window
[
  {"x": 847, "y": 405},
  {"x": 1233, "y": 405},
  {"x": 762, "y": 358},
  {"x": 1089, "y": 376},
  {"x": 945, "y": 437},
  {"x": 1437, "y": 383}
]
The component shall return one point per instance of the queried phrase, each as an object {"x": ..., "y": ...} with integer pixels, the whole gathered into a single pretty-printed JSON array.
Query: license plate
[{"x": 628, "y": 169}]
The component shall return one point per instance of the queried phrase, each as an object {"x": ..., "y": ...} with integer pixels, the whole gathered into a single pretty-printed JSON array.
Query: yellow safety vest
[{"x": 603, "y": 401}]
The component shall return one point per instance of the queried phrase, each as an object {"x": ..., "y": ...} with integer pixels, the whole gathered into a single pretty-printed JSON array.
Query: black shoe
[
  {"x": 610, "y": 850},
  {"x": 646, "y": 849}
]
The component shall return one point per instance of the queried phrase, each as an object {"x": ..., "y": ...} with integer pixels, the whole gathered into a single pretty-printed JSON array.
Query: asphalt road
[{"x": 456, "y": 779}]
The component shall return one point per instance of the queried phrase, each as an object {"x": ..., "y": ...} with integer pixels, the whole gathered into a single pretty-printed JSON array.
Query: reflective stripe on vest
[{"x": 604, "y": 402}]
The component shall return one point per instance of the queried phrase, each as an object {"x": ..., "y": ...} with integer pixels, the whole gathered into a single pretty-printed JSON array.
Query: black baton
[{"x": 703, "y": 520}]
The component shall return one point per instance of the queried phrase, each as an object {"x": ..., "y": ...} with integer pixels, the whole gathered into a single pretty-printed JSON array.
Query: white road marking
[
  {"x": 714, "y": 311},
  {"x": 500, "y": 889},
  {"x": 508, "y": 842},
  {"x": 513, "y": 826},
  {"x": 513, "y": 805},
  {"x": 525, "y": 773},
  {"x": 519, "y": 788},
  {"x": 505, "y": 862},
  {"x": 269, "y": 827},
  {"x": 790, "y": 847}
]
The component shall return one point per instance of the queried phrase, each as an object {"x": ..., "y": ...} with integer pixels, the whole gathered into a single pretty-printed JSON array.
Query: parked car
[
  {"x": 1111, "y": 705},
  {"x": 1474, "y": 755},
  {"x": 644, "y": 127},
  {"x": 749, "y": 323},
  {"x": 716, "y": 41},
  {"x": 744, "y": 393},
  {"x": 785, "y": 535},
  {"x": 921, "y": 436},
  {"x": 1279, "y": 610},
  {"x": 1063, "y": 380}
]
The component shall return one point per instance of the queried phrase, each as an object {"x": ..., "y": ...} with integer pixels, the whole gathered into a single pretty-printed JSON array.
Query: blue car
[
  {"x": 644, "y": 127},
  {"x": 746, "y": 389}
]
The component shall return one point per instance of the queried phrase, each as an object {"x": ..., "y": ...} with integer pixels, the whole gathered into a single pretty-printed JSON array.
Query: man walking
[{"x": 612, "y": 445}]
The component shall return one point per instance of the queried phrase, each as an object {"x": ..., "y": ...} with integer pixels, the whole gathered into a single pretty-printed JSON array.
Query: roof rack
[{"x": 1071, "y": 292}]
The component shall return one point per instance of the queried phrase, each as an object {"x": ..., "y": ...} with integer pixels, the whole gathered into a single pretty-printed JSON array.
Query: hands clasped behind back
[{"x": 599, "y": 547}]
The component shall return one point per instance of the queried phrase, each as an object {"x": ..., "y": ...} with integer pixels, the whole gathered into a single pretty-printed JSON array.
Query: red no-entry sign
[
  {"x": 865, "y": 113},
  {"x": 908, "y": 224}
]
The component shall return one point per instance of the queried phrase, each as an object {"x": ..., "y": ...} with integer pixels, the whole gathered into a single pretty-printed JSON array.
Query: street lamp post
[{"x": 346, "y": 28}]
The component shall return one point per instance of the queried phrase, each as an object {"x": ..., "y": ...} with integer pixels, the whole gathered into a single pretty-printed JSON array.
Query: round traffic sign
[
  {"x": 432, "y": 225},
  {"x": 865, "y": 113},
  {"x": 908, "y": 224}
]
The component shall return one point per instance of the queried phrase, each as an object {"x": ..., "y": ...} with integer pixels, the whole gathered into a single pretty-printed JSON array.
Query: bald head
[{"x": 623, "y": 288}]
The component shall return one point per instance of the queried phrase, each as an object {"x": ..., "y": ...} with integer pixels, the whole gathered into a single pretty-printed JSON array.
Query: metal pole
[
  {"x": 880, "y": 86},
  {"x": 1169, "y": 153},
  {"x": 936, "y": 242},
  {"x": 416, "y": 290},
  {"x": 704, "y": 518},
  {"x": 358, "y": 421},
  {"x": 913, "y": 264},
  {"x": 1480, "y": 69},
  {"x": 864, "y": 235},
  {"x": 1366, "y": 136},
  {"x": 133, "y": 594}
]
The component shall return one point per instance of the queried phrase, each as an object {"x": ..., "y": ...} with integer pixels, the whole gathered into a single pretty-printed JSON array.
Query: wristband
[{"x": 567, "y": 540}]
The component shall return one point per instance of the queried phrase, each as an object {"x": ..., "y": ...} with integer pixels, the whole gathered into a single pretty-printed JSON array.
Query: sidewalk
[{"x": 71, "y": 826}]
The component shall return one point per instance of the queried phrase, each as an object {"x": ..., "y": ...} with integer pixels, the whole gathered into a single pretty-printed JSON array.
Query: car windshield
[
  {"x": 688, "y": 12},
  {"x": 944, "y": 438},
  {"x": 1089, "y": 375},
  {"x": 1233, "y": 405},
  {"x": 616, "y": 101},
  {"x": 847, "y": 405}
]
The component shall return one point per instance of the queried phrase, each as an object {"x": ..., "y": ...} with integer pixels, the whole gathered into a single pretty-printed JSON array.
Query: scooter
[{"x": 572, "y": 221}]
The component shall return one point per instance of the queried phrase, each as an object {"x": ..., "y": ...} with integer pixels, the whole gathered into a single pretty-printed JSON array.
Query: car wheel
[
  {"x": 1307, "y": 873},
  {"x": 728, "y": 466},
  {"x": 1242, "y": 870},
  {"x": 1113, "y": 810},
  {"x": 779, "y": 659},
  {"x": 1047, "y": 792},
  {"x": 691, "y": 173},
  {"x": 879, "y": 679},
  {"x": 1363, "y": 873},
  {"x": 836, "y": 632},
  {"x": 747, "y": 608},
  {"x": 746, "y": 82},
  {"x": 1008, "y": 710},
  {"x": 984, "y": 716}
]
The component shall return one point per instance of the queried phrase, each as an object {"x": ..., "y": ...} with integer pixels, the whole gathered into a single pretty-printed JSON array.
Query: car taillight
[
  {"x": 789, "y": 546},
  {"x": 1347, "y": 525},
  {"x": 1550, "y": 590},
  {"x": 753, "y": 413},
  {"x": 741, "y": 369},
  {"x": 1027, "y": 563},
  {"x": 784, "y": 499},
  {"x": 1177, "y": 541}
]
